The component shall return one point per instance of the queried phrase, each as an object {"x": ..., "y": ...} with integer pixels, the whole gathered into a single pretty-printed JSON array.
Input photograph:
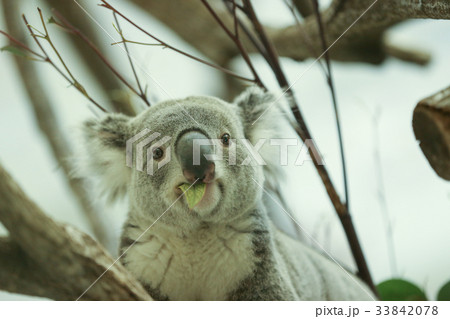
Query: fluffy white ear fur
[
  {"x": 264, "y": 118},
  {"x": 104, "y": 155}
]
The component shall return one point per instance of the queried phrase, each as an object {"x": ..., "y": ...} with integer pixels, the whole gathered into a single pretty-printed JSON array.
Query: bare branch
[
  {"x": 110, "y": 84},
  {"x": 203, "y": 32},
  {"x": 235, "y": 37},
  {"x": 142, "y": 93},
  {"x": 168, "y": 46},
  {"x": 69, "y": 78},
  {"x": 329, "y": 76},
  {"x": 364, "y": 42},
  {"x": 66, "y": 24},
  {"x": 431, "y": 123},
  {"x": 413, "y": 55},
  {"x": 48, "y": 124},
  {"x": 19, "y": 274},
  {"x": 68, "y": 258},
  {"x": 305, "y": 7}
]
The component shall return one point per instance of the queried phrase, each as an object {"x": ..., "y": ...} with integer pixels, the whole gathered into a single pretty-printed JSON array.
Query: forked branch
[
  {"x": 72, "y": 29},
  {"x": 43, "y": 56}
]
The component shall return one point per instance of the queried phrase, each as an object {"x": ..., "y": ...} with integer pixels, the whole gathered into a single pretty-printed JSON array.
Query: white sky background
[{"x": 418, "y": 201}]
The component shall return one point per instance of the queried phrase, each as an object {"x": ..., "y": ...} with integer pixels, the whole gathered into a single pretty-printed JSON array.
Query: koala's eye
[
  {"x": 226, "y": 139},
  {"x": 158, "y": 153}
]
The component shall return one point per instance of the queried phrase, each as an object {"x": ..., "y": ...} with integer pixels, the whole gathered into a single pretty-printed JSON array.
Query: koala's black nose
[{"x": 194, "y": 151}]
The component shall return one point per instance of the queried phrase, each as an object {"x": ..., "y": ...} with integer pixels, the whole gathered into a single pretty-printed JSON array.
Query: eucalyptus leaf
[
  {"x": 194, "y": 193},
  {"x": 14, "y": 50},
  {"x": 400, "y": 290},
  {"x": 444, "y": 293}
]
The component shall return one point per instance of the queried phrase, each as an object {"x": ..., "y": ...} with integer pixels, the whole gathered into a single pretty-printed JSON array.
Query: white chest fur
[{"x": 205, "y": 266}]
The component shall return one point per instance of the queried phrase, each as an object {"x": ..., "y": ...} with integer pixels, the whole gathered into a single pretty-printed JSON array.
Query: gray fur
[{"x": 229, "y": 250}]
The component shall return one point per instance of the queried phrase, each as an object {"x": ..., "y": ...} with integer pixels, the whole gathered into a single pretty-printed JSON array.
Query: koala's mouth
[{"x": 202, "y": 197}]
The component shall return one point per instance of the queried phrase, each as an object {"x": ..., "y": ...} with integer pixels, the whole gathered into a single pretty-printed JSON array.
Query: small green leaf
[
  {"x": 194, "y": 193},
  {"x": 400, "y": 290},
  {"x": 444, "y": 293},
  {"x": 14, "y": 50},
  {"x": 51, "y": 20}
]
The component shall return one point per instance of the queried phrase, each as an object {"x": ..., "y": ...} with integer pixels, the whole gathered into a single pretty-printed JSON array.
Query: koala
[{"x": 226, "y": 247}]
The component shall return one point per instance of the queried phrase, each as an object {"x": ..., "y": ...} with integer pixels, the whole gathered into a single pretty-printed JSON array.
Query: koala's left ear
[
  {"x": 263, "y": 118},
  {"x": 105, "y": 155},
  {"x": 260, "y": 113}
]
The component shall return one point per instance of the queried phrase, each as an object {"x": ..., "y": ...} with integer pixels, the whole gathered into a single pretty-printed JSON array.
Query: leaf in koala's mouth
[{"x": 194, "y": 193}]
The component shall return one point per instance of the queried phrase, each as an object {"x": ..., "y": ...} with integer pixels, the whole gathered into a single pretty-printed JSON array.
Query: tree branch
[
  {"x": 364, "y": 42},
  {"x": 431, "y": 124},
  {"x": 110, "y": 84},
  {"x": 19, "y": 274},
  {"x": 304, "y": 7},
  {"x": 48, "y": 124},
  {"x": 66, "y": 260},
  {"x": 164, "y": 44}
]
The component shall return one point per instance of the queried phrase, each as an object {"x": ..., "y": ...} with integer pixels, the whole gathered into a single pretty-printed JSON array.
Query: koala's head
[{"x": 171, "y": 143}]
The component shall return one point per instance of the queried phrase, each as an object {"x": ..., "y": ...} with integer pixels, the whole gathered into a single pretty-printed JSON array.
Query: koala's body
[{"x": 226, "y": 247}]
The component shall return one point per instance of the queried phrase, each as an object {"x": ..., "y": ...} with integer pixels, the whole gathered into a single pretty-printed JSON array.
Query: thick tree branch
[
  {"x": 431, "y": 124},
  {"x": 304, "y": 7},
  {"x": 19, "y": 274},
  {"x": 48, "y": 124},
  {"x": 364, "y": 42},
  {"x": 66, "y": 260}
]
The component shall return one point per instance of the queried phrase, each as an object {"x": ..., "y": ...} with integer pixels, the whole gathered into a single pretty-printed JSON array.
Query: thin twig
[
  {"x": 23, "y": 46},
  {"x": 106, "y": 5},
  {"x": 354, "y": 245},
  {"x": 329, "y": 76},
  {"x": 305, "y": 35},
  {"x": 260, "y": 48},
  {"x": 47, "y": 59},
  {"x": 381, "y": 192},
  {"x": 235, "y": 37},
  {"x": 66, "y": 24},
  {"x": 46, "y": 119},
  {"x": 142, "y": 93}
]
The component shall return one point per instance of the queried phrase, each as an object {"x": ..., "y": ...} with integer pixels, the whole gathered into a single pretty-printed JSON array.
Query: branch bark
[
  {"x": 48, "y": 124},
  {"x": 48, "y": 259},
  {"x": 364, "y": 42},
  {"x": 305, "y": 7},
  {"x": 431, "y": 124}
]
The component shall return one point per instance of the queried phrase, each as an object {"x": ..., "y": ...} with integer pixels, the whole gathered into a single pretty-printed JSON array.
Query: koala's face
[{"x": 189, "y": 133}]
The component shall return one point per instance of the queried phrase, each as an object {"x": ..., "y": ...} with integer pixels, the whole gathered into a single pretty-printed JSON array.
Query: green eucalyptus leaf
[
  {"x": 444, "y": 293},
  {"x": 400, "y": 290},
  {"x": 194, "y": 193},
  {"x": 14, "y": 50}
]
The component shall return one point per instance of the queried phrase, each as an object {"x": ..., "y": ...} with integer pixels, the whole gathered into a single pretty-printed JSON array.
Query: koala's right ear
[{"x": 105, "y": 155}]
